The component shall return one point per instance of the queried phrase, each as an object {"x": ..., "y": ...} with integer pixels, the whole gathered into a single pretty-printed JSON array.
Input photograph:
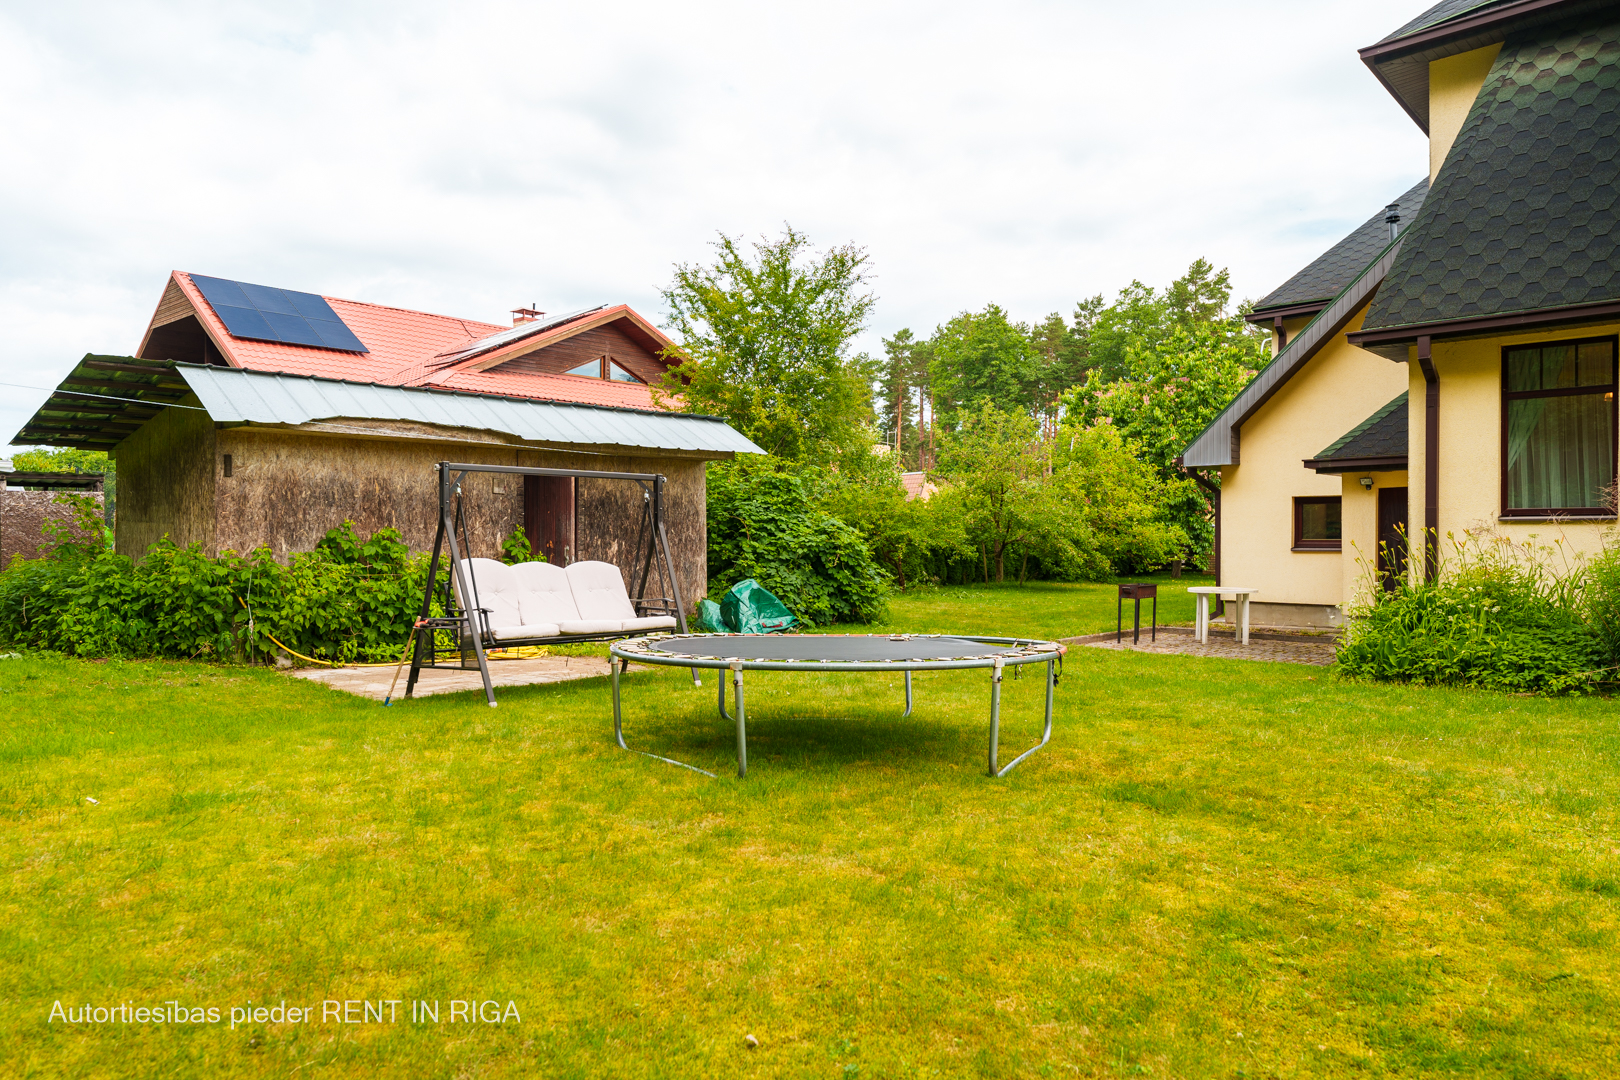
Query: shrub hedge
[
  {"x": 348, "y": 600},
  {"x": 1501, "y": 616}
]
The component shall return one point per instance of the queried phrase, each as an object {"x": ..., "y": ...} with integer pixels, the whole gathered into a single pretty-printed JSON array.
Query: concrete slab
[{"x": 373, "y": 682}]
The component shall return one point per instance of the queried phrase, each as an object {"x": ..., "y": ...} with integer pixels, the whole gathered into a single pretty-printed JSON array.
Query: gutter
[
  {"x": 1480, "y": 325},
  {"x": 1431, "y": 461}
]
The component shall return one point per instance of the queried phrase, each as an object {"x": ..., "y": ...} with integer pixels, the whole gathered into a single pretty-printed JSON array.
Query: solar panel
[{"x": 260, "y": 313}]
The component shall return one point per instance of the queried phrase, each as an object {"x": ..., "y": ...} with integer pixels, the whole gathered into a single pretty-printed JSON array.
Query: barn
[{"x": 251, "y": 416}]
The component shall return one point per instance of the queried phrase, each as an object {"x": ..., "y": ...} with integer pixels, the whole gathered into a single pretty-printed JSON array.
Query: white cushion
[
  {"x": 492, "y": 586},
  {"x": 651, "y": 622},
  {"x": 592, "y": 626},
  {"x": 527, "y": 630},
  {"x": 544, "y": 593},
  {"x": 599, "y": 594}
]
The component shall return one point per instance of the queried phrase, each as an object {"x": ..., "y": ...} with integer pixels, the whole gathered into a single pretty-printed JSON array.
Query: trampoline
[{"x": 737, "y": 653}]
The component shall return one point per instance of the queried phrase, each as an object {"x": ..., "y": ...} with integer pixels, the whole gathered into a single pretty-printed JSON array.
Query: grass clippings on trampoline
[{"x": 1215, "y": 869}]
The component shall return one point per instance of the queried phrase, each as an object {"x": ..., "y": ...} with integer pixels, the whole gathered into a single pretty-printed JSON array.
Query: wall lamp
[{"x": 1366, "y": 483}]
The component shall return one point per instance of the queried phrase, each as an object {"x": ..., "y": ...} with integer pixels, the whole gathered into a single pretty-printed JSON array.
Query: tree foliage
[
  {"x": 766, "y": 339},
  {"x": 762, "y": 525}
]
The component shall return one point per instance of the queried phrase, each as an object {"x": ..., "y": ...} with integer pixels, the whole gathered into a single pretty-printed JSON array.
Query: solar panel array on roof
[{"x": 260, "y": 313}]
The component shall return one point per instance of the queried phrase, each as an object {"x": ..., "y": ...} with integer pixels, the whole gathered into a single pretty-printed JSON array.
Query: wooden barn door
[
  {"x": 1392, "y": 536},
  {"x": 548, "y": 517}
]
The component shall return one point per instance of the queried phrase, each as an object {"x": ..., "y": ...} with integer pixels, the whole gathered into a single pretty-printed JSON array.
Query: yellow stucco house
[{"x": 1450, "y": 365}]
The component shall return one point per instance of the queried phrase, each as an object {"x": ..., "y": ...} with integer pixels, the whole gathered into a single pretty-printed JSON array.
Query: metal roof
[
  {"x": 1219, "y": 443},
  {"x": 233, "y": 395},
  {"x": 121, "y": 393}
]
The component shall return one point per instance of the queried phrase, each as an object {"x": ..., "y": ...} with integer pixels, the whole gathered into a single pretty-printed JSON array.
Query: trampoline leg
[
  {"x": 742, "y": 725},
  {"x": 995, "y": 713},
  {"x": 618, "y": 728},
  {"x": 995, "y": 718},
  {"x": 908, "y": 697},
  {"x": 722, "y": 688}
]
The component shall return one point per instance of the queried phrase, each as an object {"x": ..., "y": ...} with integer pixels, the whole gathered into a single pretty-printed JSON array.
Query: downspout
[{"x": 1431, "y": 460}]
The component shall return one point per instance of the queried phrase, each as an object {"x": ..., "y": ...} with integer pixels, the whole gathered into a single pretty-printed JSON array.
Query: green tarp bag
[
  {"x": 750, "y": 608},
  {"x": 710, "y": 618}
]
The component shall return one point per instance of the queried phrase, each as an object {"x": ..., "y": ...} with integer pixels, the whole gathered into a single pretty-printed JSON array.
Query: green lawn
[
  {"x": 1216, "y": 869},
  {"x": 1042, "y": 609}
]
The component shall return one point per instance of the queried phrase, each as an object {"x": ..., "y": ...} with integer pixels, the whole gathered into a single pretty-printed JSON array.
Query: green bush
[
  {"x": 1499, "y": 617},
  {"x": 762, "y": 526},
  {"x": 348, "y": 600}
]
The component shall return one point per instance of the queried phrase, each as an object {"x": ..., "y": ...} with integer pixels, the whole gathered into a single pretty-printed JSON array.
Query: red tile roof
[{"x": 403, "y": 346}]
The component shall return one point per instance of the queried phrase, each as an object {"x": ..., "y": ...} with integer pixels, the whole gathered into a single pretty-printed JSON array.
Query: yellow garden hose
[{"x": 526, "y": 652}]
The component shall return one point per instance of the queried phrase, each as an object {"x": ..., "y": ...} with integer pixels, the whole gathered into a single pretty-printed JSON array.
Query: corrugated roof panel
[{"x": 234, "y": 395}]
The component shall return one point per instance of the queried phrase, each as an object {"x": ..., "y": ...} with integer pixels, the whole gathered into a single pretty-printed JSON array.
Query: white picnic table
[{"x": 1238, "y": 594}]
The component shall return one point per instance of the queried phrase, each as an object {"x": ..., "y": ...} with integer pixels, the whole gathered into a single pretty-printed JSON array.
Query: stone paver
[
  {"x": 1226, "y": 647},
  {"x": 373, "y": 682}
]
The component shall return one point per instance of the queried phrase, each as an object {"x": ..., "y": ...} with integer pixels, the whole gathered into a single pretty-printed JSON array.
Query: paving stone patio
[
  {"x": 373, "y": 682},
  {"x": 1278, "y": 648}
]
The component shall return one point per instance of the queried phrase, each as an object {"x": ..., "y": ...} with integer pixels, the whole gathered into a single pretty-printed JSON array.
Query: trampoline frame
[{"x": 1033, "y": 652}]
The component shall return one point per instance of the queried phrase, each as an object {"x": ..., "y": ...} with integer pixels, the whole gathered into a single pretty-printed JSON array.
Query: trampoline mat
[{"x": 855, "y": 648}]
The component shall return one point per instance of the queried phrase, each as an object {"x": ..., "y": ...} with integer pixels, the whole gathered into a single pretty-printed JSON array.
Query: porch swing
[{"x": 490, "y": 605}]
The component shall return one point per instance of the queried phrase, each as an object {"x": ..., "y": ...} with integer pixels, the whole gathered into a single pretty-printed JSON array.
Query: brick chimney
[{"x": 525, "y": 314}]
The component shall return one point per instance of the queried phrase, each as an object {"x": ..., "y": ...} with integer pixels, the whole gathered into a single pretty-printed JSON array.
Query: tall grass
[{"x": 1501, "y": 614}]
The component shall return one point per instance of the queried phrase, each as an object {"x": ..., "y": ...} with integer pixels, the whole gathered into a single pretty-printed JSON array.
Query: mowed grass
[
  {"x": 1216, "y": 868},
  {"x": 1040, "y": 609}
]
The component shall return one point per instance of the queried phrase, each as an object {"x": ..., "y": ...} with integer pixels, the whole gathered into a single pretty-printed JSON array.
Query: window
[
  {"x": 1317, "y": 523},
  {"x": 603, "y": 367},
  {"x": 1558, "y": 428}
]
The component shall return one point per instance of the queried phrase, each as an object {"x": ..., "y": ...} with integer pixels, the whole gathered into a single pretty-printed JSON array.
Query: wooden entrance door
[
  {"x": 548, "y": 517},
  {"x": 1392, "y": 536}
]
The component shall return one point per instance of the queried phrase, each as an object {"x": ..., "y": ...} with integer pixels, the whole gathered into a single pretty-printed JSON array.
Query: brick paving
[{"x": 1225, "y": 646}]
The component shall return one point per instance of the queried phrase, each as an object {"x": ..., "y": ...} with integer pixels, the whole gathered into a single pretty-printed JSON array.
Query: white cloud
[{"x": 470, "y": 158}]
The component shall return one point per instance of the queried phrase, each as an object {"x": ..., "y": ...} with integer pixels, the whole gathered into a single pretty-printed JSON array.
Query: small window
[
  {"x": 1558, "y": 428},
  {"x": 1317, "y": 523},
  {"x": 603, "y": 367}
]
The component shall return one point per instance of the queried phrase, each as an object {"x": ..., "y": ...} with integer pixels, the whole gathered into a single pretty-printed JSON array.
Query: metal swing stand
[{"x": 471, "y": 624}]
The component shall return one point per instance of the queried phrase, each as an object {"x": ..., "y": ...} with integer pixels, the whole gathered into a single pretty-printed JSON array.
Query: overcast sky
[{"x": 470, "y": 158}]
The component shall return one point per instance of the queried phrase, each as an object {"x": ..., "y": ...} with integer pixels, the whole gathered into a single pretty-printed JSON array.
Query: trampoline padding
[{"x": 860, "y": 648}]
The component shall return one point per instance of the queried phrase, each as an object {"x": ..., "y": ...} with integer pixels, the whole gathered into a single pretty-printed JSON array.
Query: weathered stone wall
[
  {"x": 22, "y": 518},
  {"x": 287, "y": 487},
  {"x": 166, "y": 475}
]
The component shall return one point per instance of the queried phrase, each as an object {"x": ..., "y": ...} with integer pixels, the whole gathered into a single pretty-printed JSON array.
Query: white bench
[{"x": 536, "y": 602}]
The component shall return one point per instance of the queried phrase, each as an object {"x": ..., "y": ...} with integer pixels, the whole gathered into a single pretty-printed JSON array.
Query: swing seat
[{"x": 540, "y": 602}]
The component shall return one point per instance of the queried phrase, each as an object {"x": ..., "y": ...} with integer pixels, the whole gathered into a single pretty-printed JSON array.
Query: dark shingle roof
[
  {"x": 1446, "y": 9},
  {"x": 1381, "y": 435},
  {"x": 1522, "y": 216},
  {"x": 1325, "y": 278}
]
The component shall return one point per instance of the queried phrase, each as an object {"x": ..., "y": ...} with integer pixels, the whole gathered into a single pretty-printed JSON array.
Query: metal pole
[
  {"x": 995, "y": 713},
  {"x": 908, "y": 696},
  {"x": 618, "y": 720},
  {"x": 474, "y": 617},
  {"x": 723, "y": 714},
  {"x": 742, "y": 723}
]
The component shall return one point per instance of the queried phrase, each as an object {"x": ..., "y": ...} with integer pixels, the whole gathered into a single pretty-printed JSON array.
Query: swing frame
[{"x": 472, "y": 623}]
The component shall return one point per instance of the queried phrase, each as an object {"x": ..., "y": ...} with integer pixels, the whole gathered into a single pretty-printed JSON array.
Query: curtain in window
[{"x": 1560, "y": 452}]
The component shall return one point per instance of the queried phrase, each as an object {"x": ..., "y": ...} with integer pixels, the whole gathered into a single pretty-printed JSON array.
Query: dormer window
[{"x": 603, "y": 367}]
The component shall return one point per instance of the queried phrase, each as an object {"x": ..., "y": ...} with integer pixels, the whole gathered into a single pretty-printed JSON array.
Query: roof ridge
[
  {"x": 383, "y": 307},
  {"x": 443, "y": 390}
]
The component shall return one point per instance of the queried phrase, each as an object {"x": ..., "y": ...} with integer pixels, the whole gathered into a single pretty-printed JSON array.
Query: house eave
[
  {"x": 1394, "y": 341},
  {"x": 1346, "y": 465}
]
